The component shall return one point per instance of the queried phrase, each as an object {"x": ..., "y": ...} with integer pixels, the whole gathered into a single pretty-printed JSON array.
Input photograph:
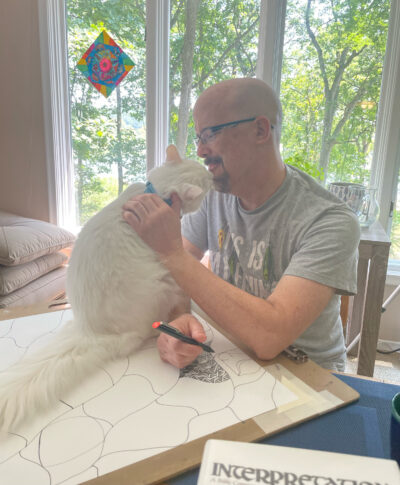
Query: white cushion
[
  {"x": 14, "y": 277},
  {"x": 46, "y": 288},
  {"x": 23, "y": 240}
]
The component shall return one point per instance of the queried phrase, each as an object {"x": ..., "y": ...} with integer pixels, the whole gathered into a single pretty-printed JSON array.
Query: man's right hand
[{"x": 177, "y": 353}]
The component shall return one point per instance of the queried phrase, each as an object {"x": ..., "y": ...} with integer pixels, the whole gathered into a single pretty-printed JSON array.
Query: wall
[{"x": 23, "y": 180}]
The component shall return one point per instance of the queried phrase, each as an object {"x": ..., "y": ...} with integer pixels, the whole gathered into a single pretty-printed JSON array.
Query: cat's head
[{"x": 188, "y": 178}]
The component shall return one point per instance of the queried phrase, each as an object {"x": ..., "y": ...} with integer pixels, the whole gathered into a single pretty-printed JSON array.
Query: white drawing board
[{"x": 139, "y": 409}]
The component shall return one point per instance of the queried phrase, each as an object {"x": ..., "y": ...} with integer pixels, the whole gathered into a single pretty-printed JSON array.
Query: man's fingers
[
  {"x": 130, "y": 217},
  {"x": 200, "y": 335},
  {"x": 137, "y": 209},
  {"x": 196, "y": 331},
  {"x": 143, "y": 202},
  {"x": 176, "y": 203},
  {"x": 175, "y": 352}
]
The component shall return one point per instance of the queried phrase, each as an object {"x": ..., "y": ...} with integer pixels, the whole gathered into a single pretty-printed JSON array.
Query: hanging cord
[
  {"x": 387, "y": 351},
  {"x": 385, "y": 304},
  {"x": 390, "y": 298}
]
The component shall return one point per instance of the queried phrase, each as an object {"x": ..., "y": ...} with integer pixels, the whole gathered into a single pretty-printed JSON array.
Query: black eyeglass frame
[{"x": 216, "y": 128}]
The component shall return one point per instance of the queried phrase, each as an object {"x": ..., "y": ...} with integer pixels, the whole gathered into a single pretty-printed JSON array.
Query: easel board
[{"x": 299, "y": 392}]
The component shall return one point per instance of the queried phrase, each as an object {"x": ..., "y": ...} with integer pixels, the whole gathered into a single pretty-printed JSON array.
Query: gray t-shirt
[{"x": 302, "y": 230}]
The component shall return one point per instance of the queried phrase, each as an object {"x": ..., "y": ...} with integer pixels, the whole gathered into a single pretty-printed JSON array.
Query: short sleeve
[
  {"x": 194, "y": 227},
  {"x": 328, "y": 252}
]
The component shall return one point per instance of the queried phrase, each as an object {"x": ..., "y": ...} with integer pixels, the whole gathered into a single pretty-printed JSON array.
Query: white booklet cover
[{"x": 238, "y": 463}]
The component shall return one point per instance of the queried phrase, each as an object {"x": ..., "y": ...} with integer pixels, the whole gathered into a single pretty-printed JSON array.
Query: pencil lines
[{"x": 133, "y": 409}]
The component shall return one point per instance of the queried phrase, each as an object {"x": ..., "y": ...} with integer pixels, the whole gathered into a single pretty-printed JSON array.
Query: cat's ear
[
  {"x": 190, "y": 192},
  {"x": 173, "y": 154}
]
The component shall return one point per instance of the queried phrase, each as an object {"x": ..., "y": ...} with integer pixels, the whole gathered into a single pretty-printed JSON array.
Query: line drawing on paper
[{"x": 131, "y": 409}]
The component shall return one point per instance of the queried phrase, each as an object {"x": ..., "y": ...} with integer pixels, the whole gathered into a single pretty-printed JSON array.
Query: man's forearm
[{"x": 252, "y": 320}]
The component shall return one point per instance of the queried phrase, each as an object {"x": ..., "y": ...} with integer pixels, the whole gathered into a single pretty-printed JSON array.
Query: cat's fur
[{"x": 117, "y": 288}]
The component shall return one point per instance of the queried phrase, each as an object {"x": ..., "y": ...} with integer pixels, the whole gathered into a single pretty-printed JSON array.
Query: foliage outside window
[
  {"x": 331, "y": 77},
  {"x": 210, "y": 40}
]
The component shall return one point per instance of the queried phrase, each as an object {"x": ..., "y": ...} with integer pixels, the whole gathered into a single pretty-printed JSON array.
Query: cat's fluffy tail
[{"x": 38, "y": 380}]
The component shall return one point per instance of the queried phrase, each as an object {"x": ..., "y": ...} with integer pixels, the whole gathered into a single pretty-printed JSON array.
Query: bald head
[{"x": 236, "y": 99}]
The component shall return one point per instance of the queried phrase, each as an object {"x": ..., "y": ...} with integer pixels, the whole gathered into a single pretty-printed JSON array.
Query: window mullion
[
  {"x": 157, "y": 80},
  {"x": 270, "y": 42},
  {"x": 385, "y": 164}
]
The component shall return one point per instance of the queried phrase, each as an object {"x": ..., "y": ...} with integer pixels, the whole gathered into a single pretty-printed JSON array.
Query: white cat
[{"x": 117, "y": 288}]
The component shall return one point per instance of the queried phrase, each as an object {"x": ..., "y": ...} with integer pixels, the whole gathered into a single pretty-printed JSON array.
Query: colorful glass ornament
[{"x": 105, "y": 64}]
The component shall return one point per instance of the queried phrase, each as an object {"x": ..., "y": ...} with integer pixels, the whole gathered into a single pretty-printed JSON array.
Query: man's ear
[
  {"x": 173, "y": 154},
  {"x": 263, "y": 128},
  {"x": 190, "y": 192}
]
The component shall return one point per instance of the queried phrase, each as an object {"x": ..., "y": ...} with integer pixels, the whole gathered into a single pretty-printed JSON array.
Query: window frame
[
  {"x": 54, "y": 63},
  {"x": 270, "y": 42},
  {"x": 157, "y": 80},
  {"x": 386, "y": 156}
]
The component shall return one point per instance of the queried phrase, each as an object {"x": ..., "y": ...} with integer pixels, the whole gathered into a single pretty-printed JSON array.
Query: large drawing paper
[{"x": 130, "y": 409}]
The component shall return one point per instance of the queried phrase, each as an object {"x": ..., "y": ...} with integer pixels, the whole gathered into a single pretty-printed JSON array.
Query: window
[
  {"x": 191, "y": 44},
  {"x": 332, "y": 67},
  {"x": 338, "y": 92},
  {"x": 210, "y": 40},
  {"x": 387, "y": 140},
  {"x": 108, "y": 134}
]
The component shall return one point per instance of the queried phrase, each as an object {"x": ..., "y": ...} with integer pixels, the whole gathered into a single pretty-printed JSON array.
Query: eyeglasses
[{"x": 207, "y": 135}]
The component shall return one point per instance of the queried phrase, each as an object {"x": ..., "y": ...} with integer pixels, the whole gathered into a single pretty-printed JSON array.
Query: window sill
[{"x": 393, "y": 273}]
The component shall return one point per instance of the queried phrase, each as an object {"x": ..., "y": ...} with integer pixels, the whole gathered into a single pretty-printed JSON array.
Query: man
[{"x": 282, "y": 248}]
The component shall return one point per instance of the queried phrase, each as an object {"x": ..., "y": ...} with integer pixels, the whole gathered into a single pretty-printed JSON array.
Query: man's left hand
[{"x": 156, "y": 222}]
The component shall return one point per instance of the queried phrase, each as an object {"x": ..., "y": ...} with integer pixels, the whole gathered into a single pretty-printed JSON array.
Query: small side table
[{"x": 365, "y": 314}]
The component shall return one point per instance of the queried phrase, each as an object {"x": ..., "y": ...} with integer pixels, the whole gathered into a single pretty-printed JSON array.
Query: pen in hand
[{"x": 173, "y": 332}]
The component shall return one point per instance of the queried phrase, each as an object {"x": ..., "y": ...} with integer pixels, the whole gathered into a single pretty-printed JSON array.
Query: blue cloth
[
  {"x": 151, "y": 190},
  {"x": 361, "y": 428}
]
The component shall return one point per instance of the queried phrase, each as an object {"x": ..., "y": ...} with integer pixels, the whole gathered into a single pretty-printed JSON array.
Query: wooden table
[{"x": 365, "y": 314}]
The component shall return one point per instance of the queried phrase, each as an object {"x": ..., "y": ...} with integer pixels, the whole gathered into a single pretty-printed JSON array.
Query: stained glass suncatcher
[{"x": 105, "y": 64}]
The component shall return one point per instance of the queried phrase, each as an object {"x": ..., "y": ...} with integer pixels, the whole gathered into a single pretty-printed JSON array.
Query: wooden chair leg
[{"x": 344, "y": 310}]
